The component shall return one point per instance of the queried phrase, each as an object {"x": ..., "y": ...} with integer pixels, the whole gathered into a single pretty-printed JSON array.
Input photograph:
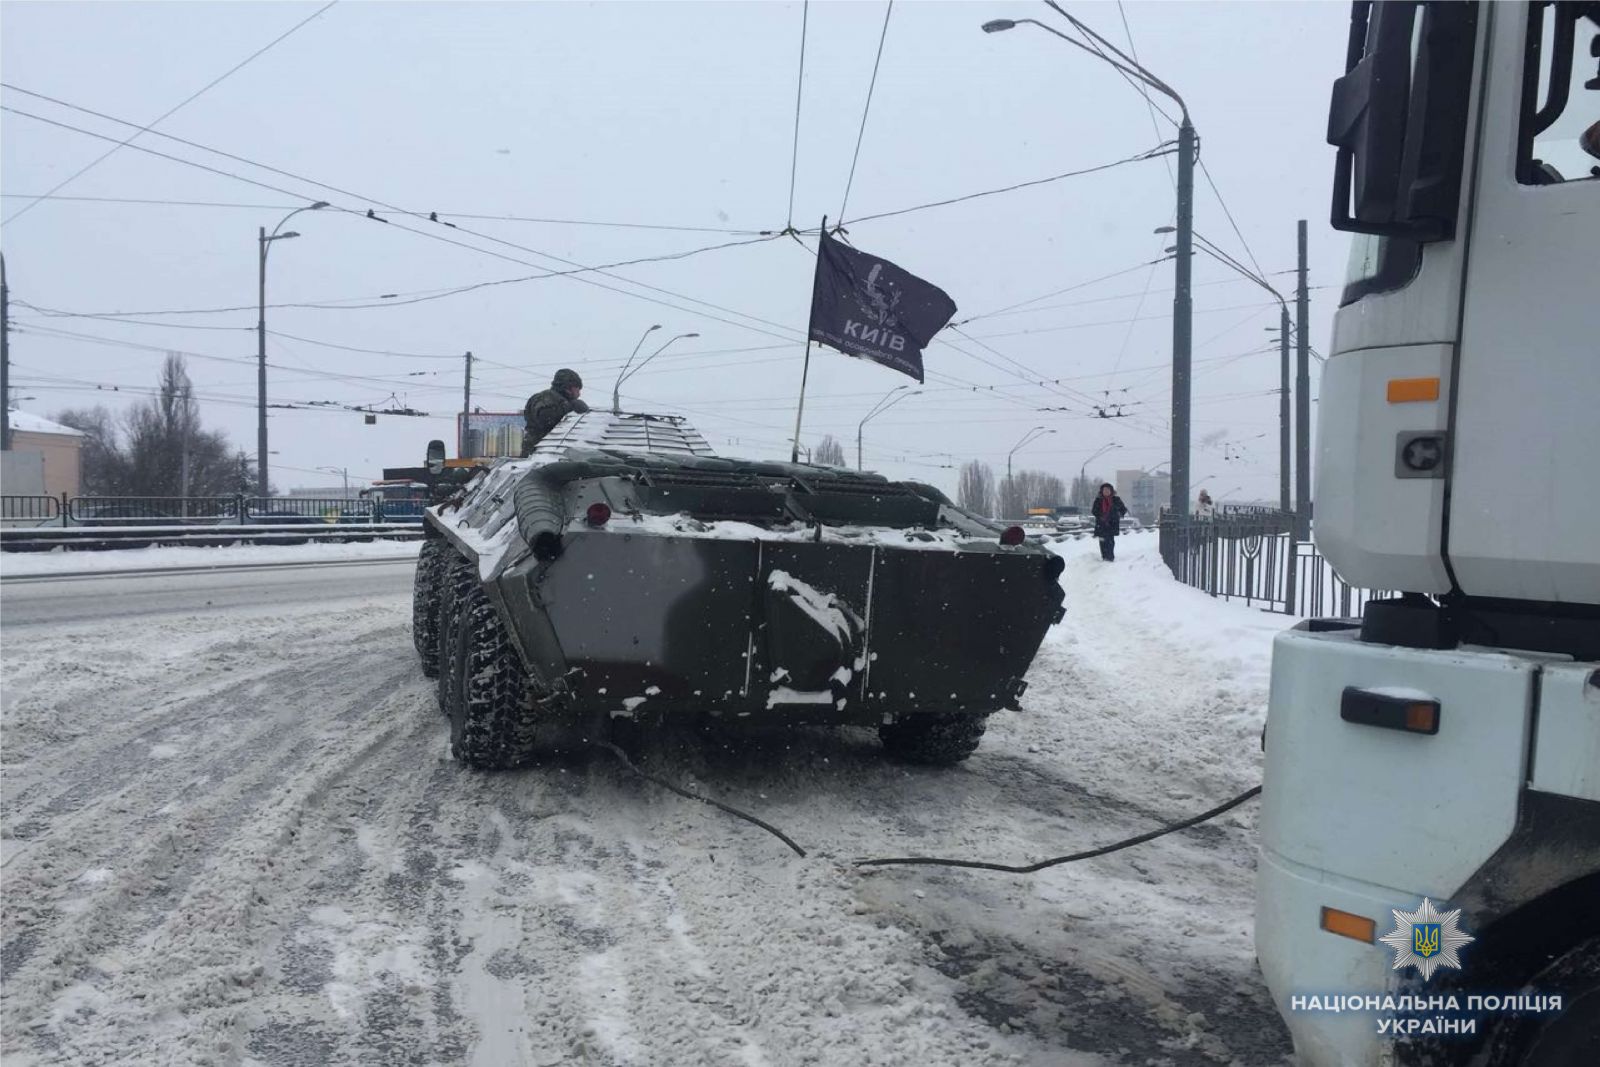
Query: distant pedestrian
[
  {"x": 1108, "y": 510},
  {"x": 543, "y": 410},
  {"x": 1205, "y": 509}
]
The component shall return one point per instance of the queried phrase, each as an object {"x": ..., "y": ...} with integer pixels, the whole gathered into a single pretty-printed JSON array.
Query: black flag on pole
[{"x": 868, "y": 307}]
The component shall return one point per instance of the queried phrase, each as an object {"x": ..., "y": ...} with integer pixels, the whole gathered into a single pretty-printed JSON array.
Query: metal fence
[
  {"x": 29, "y": 510},
  {"x": 1252, "y": 555},
  {"x": 198, "y": 511}
]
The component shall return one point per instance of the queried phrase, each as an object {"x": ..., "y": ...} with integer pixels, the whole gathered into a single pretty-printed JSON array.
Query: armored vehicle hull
[{"x": 596, "y": 581}]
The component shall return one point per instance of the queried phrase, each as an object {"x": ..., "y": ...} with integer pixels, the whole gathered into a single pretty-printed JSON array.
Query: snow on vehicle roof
[{"x": 669, "y": 435}]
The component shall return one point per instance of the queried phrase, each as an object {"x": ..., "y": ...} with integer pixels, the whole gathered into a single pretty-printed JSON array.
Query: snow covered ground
[
  {"x": 235, "y": 836},
  {"x": 61, "y": 561}
]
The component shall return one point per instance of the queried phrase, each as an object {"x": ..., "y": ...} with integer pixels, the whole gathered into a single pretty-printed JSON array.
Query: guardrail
[
  {"x": 1252, "y": 555},
  {"x": 65, "y": 510},
  {"x": 100, "y": 538}
]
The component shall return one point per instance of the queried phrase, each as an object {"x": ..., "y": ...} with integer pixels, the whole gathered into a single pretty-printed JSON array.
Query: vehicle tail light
[
  {"x": 1012, "y": 535},
  {"x": 598, "y": 514}
]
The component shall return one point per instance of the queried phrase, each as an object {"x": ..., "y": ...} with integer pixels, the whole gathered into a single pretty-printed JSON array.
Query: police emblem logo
[{"x": 1427, "y": 939}]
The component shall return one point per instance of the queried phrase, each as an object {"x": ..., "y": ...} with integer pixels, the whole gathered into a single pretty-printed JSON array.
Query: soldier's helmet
[{"x": 566, "y": 379}]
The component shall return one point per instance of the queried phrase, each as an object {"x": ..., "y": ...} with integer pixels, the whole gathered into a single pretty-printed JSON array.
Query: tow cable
[
  {"x": 691, "y": 795},
  {"x": 929, "y": 861},
  {"x": 1117, "y": 846}
]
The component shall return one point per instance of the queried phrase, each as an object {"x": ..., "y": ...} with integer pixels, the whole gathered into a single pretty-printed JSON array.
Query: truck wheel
[
  {"x": 456, "y": 576},
  {"x": 1555, "y": 1041},
  {"x": 938, "y": 738},
  {"x": 425, "y": 603},
  {"x": 492, "y": 721}
]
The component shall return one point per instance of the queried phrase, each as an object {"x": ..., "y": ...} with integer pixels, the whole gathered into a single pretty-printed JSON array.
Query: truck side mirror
[
  {"x": 435, "y": 456},
  {"x": 1399, "y": 118}
]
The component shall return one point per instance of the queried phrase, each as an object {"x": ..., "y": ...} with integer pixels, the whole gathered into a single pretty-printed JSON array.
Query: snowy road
[{"x": 232, "y": 835}]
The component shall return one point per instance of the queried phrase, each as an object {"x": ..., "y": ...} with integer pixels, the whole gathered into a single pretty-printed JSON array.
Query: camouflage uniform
[{"x": 549, "y": 407}]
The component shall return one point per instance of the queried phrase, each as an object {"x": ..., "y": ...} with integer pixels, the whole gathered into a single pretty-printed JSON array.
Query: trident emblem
[{"x": 1425, "y": 939}]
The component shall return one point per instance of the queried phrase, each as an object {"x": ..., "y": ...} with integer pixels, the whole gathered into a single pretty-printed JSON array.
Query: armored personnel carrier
[{"x": 625, "y": 570}]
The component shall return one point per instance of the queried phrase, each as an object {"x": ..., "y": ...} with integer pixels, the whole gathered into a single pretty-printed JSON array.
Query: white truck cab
[{"x": 1446, "y": 746}]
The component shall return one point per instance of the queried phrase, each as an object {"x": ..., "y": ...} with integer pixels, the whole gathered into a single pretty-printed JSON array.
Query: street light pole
[
  {"x": 1182, "y": 306},
  {"x": 344, "y": 476},
  {"x": 616, "y": 399},
  {"x": 264, "y": 239},
  {"x": 1226, "y": 260},
  {"x": 1083, "y": 471},
  {"x": 1027, "y": 439},
  {"x": 889, "y": 401},
  {"x": 626, "y": 374}
]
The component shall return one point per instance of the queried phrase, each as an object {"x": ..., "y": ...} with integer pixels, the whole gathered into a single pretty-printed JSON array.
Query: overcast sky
[{"x": 664, "y": 115}]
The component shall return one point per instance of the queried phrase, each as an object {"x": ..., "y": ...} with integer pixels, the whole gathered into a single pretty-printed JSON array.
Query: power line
[
  {"x": 57, "y": 313},
  {"x": 180, "y": 105},
  {"x": 118, "y": 342},
  {"x": 369, "y": 351},
  {"x": 1058, "y": 292},
  {"x": 1153, "y": 153},
  {"x": 142, "y": 200},
  {"x": 1224, "y": 204},
  {"x": 395, "y": 209},
  {"x": 156, "y": 202},
  {"x": 1116, "y": 322},
  {"x": 799, "y": 85},
  {"x": 865, "y": 110}
]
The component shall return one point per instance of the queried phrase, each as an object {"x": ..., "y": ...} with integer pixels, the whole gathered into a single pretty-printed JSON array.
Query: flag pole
[{"x": 805, "y": 370}]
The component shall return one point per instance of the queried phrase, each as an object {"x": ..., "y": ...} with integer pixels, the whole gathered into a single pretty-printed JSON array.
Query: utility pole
[
  {"x": 466, "y": 404},
  {"x": 5, "y": 359},
  {"x": 261, "y": 364},
  {"x": 1302, "y": 400},
  {"x": 1182, "y": 322},
  {"x": 1284, "y": 435}
]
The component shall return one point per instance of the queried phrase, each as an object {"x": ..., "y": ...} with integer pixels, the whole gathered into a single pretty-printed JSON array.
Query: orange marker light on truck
[
  {"x": 1412, "y": 390},
  {"x": 1347, "y": 924}
]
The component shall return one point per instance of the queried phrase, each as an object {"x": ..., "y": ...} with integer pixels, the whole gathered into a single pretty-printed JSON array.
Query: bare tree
[
  {"x": 975, "y": 490},
  {"x": 1084, "y": 488},
  {"x": 104, "y": 467},
  {"x": 829, "y": 453},
  {"x": 161, "y": 449},
  {"x": 1027, "y": 489}
]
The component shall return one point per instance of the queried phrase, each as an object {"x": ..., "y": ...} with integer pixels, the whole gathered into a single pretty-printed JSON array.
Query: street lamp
[
  {"x": 616, "y": 404},
  {"x": 1083, "y": 475},
  {"x": 626, "y": 374},
  {"x": 893, "y": 397},
  {"x": 1027, "y": 439},
  {"x": 1210, "y": 248},
  {"x": 1182, "y": 302},
  {"x": 343, "y": 472},
  {"x": 264, "y": 239}
]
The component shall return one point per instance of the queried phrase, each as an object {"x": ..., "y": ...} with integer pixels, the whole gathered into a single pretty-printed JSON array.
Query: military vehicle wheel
[
  {"x": 492, "y": 723},
  {"x": 938, "y": 738},
  {"x": 425, "y": 603},
  {"x": 455, "y": 578}
]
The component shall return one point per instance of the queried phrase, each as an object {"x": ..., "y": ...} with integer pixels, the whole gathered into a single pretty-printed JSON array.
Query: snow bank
[{"x": 58, "y": 561}]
